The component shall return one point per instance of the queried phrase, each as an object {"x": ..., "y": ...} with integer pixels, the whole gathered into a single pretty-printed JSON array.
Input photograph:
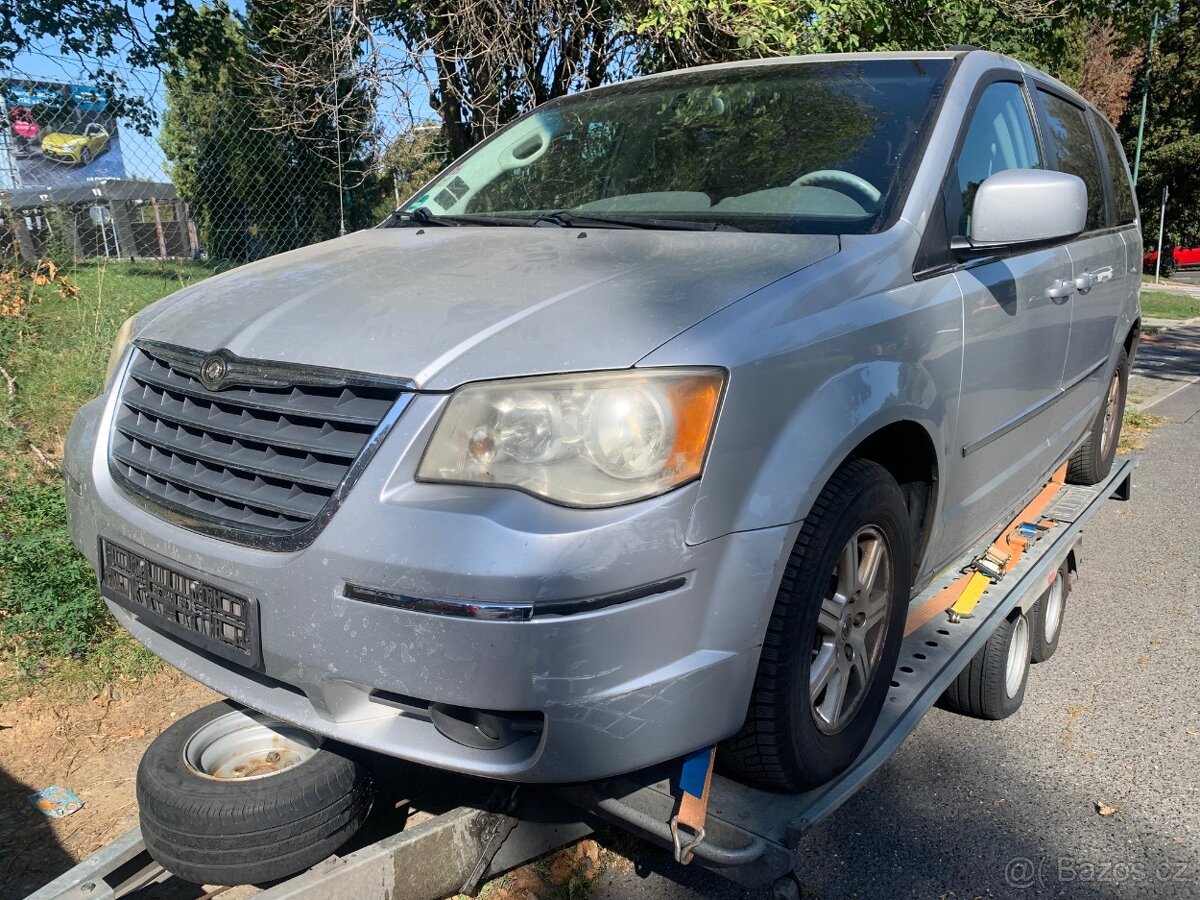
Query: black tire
[
  {"x": 781, "y": 746},
  {"x": 1092, "y": 460},
  {"x": 246, "y": 830},
  {"x": 1047, "y": 616},
  {"x": 85, "y": 157},
  {"x": 981, "y": 690}
]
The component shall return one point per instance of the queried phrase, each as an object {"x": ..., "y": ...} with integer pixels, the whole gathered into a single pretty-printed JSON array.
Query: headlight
[
  {"x": 595, "y": 439},
  {"x": 124, "y": 336}
]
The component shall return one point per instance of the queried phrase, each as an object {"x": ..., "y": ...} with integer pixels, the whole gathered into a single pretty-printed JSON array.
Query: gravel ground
[{"x": 1008, "y": 809}]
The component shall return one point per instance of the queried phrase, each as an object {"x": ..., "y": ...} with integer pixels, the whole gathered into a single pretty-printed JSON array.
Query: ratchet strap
[
  {"x": 695, "y": 781},
  {"x": 963, "y": 594}
]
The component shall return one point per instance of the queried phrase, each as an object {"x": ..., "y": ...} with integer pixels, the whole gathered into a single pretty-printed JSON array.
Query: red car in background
[
  {"x": 25, "y": 128},
  {"x": 1180, "y": 257}
]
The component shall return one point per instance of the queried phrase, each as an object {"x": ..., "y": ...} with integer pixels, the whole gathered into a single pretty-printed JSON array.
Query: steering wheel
[{"x": 845, "y": 182}]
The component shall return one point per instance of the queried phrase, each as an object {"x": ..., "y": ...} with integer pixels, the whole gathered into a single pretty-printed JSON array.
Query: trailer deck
[{"x": 437, "y": 834}]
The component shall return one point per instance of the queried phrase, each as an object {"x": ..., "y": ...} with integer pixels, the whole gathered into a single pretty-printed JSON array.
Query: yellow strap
[{"x": 969, "y": 598}]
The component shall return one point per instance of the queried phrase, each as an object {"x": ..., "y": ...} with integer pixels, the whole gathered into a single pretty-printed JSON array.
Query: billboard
[{"x": 58, "y": 135}]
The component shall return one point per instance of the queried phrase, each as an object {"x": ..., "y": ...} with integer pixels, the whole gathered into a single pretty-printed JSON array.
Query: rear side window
[
  {"x": 1000, "y": 137},
  {"x": 1118, "y": 175},
  {"x": 1070, "y": 146}
]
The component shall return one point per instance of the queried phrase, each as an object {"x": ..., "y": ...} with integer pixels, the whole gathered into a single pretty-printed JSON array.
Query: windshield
[{"x": 808, "y": 147}]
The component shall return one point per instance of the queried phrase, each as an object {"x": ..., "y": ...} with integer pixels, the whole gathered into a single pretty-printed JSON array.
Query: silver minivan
[{"x": 637, "y": 429}]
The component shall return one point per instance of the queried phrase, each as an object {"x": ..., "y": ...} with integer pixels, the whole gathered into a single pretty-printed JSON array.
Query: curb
[{"x": 1158, "y": 326}]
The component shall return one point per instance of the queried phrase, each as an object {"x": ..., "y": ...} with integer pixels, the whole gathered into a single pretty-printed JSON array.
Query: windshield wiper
[
  {"x": 422, "y": 216},
  {"x": 566, "y": 218}
]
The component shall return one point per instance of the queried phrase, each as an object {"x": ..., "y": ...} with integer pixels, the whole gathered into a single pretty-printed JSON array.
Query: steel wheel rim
[
  {"x": 1018, "y": 657},
  {"x": 1055, "y": 601},
  {"x": 243, "y": 745},
  {"x": 1110, "y": 413},
  {"x": 852, "y": 626}
]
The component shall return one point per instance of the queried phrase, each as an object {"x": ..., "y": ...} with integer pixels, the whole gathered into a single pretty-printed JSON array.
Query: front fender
[{"x": 793, "y": 466}]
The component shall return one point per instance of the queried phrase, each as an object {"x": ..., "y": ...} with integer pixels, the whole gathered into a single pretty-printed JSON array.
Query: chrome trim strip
[
  {"x": 518, "y": 611},
  {"x": 460, "y": 609},
  {"x": 242, "y": 372},
  {"x": 1040, "y": 407}
]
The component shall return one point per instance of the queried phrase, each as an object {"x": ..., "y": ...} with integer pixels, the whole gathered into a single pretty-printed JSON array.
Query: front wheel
[
  {"x": 1091, "y": 462},
  {"x": 833, "y": 638}
]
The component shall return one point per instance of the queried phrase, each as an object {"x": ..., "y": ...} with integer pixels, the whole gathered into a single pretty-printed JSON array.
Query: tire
[
  {"x": 992, "y": 686},
  {"x": 245, "y": 828},
  {"x": 794, "y": 738},
  {"x": 1046, "y": 616},
  {"x": 1091, "y": 462},
  {"x": 85, "y": 157}
]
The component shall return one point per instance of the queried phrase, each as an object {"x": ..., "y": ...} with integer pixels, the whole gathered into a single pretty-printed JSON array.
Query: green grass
[
  {"x": 54, "y": 350},
  {"x": 1169, "y": 305}
]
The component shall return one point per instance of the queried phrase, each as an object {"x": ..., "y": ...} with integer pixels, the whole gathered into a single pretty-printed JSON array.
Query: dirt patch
[{"x": 90, "y": 745}]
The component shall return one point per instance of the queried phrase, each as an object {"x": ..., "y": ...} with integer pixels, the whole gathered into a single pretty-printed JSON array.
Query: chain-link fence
[{"x": 209, "y": 178}]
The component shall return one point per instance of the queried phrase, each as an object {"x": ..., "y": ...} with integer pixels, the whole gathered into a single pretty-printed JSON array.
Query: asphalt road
[{"x": 1010, "y": 809}]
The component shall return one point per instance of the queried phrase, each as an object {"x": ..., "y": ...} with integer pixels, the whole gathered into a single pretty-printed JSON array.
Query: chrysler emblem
[{"x": 213, "y": 372}]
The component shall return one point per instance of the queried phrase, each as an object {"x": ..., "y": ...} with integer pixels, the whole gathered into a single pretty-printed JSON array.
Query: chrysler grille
[{"x": 265, "y": 455}]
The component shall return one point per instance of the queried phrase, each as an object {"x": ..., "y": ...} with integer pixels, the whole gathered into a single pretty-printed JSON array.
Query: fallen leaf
[
  {"x": 1104, "y": 809},
  {"x": 562, "y": 867},
  {"x": 525, "y": 882},
  {"x": 998, "y": 803}
]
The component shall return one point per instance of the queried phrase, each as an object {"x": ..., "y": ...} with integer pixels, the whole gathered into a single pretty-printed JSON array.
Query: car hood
[{"x": 446, "y": 305}]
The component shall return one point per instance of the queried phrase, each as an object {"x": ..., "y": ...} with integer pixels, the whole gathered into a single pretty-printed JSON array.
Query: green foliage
[
  {"x": 48, "y": 596},
  {"x": 410, "y": 161},
  {"x": 1050, "y": 35},
  {"x": 1171, "y": 151},
  {"x": 1169, "y": 305},
  {"x": 254, "y": 186},
  {"x": 51, "y": 613}
]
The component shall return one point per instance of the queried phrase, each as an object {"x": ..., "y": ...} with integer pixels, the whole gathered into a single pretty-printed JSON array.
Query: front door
[{"x": 1016, "y": 326}]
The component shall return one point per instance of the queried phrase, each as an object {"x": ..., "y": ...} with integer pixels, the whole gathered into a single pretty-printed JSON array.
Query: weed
[{"x": 55, "y": 335}]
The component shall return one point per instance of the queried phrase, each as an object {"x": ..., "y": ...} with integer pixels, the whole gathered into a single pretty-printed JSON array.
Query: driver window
[{"x": 1000, "y": 137}]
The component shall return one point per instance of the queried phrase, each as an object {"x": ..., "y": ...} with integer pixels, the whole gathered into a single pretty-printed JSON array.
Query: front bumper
[{"x": 618, "y": 688}]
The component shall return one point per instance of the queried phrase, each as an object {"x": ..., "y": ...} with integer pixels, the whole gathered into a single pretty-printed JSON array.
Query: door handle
[
  {"x": 1086, "y": 282},
  {"x": 1061, "y": 290}
]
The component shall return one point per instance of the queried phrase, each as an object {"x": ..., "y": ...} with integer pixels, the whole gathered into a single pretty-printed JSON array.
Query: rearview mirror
[{"x": 1025, "y": 206}]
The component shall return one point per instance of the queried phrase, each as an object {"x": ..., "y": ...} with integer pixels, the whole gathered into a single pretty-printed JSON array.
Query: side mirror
[{"x": 1024, "y": 206}]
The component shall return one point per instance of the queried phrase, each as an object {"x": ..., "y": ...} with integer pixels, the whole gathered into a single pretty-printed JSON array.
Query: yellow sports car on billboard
[{"x": 76, "y": 149}]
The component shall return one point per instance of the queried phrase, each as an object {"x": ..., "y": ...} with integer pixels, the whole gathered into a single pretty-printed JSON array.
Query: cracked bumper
[{"x": 619, "y": 688}]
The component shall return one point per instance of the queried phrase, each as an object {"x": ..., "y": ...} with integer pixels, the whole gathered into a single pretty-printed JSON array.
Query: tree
[
  {"x": 1109, "y": 68},
  {"x": 1171, "y": 149},
  {"x": 266, "y": 164},
  {"x": 309, "y": 85},
  {"x": 140, "y": 33},
  {"x": 484, "y": 62},
  {"x": 411, "y": 160},
  {"x": 223, "y": 161}
]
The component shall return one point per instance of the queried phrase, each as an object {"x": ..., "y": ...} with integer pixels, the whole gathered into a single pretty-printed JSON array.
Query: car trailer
[{"x": 437, "y": 833}]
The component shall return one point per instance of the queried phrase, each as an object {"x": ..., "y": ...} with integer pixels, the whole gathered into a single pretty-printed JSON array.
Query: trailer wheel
[
  {"x": 992, "y": 685},
  {"x": 1046, "y": 616},
  {"x": 1091, "y": 462},
  {"x": 230, "y": 796},
  {"x": 833, "y": 638}
]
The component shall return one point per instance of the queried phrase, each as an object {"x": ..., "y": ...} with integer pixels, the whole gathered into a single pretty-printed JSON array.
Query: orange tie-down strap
[{"x": 1005, "y": 551}]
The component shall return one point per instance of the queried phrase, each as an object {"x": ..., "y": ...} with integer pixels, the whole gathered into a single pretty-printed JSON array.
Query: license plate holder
[{"x": 183, "y": 605}]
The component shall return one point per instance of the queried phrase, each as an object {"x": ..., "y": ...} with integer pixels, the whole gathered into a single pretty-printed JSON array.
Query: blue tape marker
[{"x": 695, "y": 771}]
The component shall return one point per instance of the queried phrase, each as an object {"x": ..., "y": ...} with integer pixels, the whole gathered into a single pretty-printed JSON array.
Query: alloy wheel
[
  {"x": 851, "y": 628},
  {"x": 1112, "y": 405}
]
